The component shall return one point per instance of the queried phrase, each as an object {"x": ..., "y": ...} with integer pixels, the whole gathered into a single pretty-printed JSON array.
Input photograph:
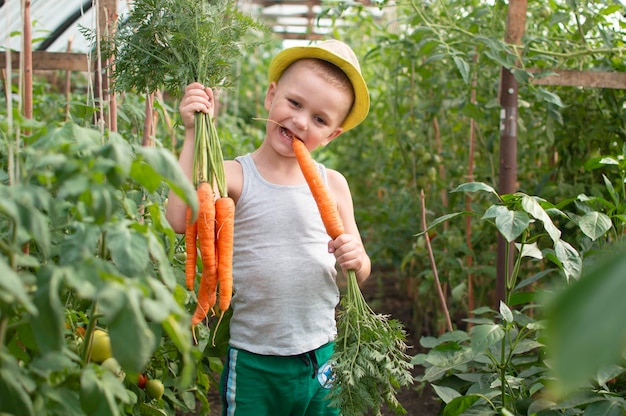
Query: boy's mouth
[{"x": 287, "y": 133}]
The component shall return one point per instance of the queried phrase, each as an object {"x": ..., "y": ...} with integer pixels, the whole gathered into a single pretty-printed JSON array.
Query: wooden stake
[{"x": 515, "y": 26}]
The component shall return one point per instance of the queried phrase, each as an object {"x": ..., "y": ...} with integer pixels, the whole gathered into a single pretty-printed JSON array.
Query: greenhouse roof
[{"x": 56, "y": 22}]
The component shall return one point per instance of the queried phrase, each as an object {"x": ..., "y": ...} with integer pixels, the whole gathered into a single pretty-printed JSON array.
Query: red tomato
[{"x": 141, "y": 381}]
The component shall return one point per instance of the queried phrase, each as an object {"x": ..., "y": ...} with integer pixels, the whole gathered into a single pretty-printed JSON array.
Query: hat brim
[{"x": 361, "y": 105}]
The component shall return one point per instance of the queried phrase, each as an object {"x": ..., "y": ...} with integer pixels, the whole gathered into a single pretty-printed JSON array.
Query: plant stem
[
  {"x": 3, "y": 329},
  {"x": 502, "y": 373},
  {"x": 91, "y": 326},
  {"x": 431, "y": 256}
]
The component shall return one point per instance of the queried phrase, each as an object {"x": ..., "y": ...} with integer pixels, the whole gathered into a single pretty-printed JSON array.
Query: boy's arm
[
  {"x": 197, "y": 98},
  {"x": 348, "y": 248}
]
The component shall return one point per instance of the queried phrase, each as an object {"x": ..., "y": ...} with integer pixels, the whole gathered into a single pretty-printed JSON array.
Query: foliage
[
  {"x": 99, "y": 254},
  {"x": 370, "y": 360},
  {"x": 585, "y": 328},
  {"x": 501, "y": 364},
  {"x": 423, "y": 62},
  {"x": 168, "y": 44}
]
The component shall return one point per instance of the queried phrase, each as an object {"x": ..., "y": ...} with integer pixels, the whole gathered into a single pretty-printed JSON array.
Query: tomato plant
[{"x": 88, "y": 276}]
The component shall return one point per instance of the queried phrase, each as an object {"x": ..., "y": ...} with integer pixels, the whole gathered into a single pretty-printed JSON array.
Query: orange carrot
[
  {"x": 191, "y": 233},
  {"x": 206, "y": 243},
  {"x": 325, "y": 203},
  {"x": 225, "y": 223}
]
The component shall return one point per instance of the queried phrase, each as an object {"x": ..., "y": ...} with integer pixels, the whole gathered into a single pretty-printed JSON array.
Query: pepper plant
[{"x": 499, "y": 365}]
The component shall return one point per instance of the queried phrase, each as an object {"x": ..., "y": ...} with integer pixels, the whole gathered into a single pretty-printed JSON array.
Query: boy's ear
[
  {"x": 332, "y": 136},
  {"x": 269, "y": 95}
]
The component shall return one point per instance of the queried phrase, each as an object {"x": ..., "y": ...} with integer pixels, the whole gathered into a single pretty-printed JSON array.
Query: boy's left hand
[{"x": 348, "y": 251}]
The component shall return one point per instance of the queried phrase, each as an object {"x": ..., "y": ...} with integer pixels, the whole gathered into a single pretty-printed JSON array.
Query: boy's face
[{"x": 307, "y": 105}]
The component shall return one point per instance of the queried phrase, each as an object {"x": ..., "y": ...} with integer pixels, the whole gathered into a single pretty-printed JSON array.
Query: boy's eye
[
  {"x": 320, "y": 120},
  {"x": 294, "y": 102}
]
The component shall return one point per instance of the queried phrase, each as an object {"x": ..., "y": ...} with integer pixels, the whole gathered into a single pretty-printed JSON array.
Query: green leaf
[
  {"x": 15, "y": 398},
  {"x": 96, "y": 396},
  {"x": 156, "y": 165},
  {"x": 506, "y": 313},
  {"x": 443, "y": 362},
  {"x": 46, "y": 365},
  {"x": 12, "y": 288},
  {"x": 512, "y": 224},
  {"x": 147, "y": 409},
  {"x": 118, "y": 150},
  {"x": 48, "y": 325},
  {"x": 160, "y": 258},
  {"x": 457, "y": 406},
  {"x": 594, "y": 224},
  {"x": 61, "y": 400},
  {"x": 463, "y": 68},
  {"x": 605, "y": 408},
  {"x": 569, "y": 258},
  {"x": 612, "y": 192},
  {"x": 181, "y": 336},
  {"x": 550, "y": 97},
  {"x": 586, "y": 324},
  {"x": 79, "y": 244},
  {"x": 532, "y": 207},
  {"x": 475, "y": 187},
  {"x": 443, "y": 219},
  {"x": 22, "y": 205},
  {"x": 600, "y": 162},
  {"x": 484, "y": 336},
  {"x": 454, "y": 336},
  {"x": 446, "y": 394},
  {"x": 128, "y": 249},
  {"x": 530, "y": 250},
  {"x": 495, "y": 211},
  {"x": 132, "y": 341}
]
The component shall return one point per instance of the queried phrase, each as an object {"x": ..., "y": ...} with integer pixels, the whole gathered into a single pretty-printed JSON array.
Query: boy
[{"x": 283, "y": 323}]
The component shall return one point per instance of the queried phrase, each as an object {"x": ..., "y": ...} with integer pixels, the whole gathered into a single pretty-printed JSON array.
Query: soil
[{"x": 390, "y": 298}]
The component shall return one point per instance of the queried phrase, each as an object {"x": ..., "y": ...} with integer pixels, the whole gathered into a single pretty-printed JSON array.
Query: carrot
[
  {"x": 191, "y": 233},
  {"x": 325, "y": 204},
  {"x": 225, "y": 223},
  {"x": 206, "y": 242}
]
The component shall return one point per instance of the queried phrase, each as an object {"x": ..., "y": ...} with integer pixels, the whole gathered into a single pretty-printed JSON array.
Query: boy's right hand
[{"x": 197, "y": 98}]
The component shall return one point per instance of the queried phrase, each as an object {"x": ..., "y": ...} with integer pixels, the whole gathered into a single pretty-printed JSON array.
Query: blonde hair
[{"x": 330, "y": 72}]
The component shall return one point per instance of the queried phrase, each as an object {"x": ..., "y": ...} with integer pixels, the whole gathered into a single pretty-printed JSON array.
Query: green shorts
[{"x": 267, "y": 385}]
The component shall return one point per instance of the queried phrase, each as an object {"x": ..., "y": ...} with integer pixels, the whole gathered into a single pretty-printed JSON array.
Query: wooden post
[
  {"x": 68, "y": 83},
  {"x": 27, "y": 56},
  {"x": 107, "y": 12},
  {"x": 515, "y": 26}
]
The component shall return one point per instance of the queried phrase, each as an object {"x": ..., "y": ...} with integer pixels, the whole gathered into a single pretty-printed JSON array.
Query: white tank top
[{"x": 284, "y": 285}]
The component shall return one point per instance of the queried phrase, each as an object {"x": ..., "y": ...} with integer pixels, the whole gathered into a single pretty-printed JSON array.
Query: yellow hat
[{"x": 335, "y": 52}]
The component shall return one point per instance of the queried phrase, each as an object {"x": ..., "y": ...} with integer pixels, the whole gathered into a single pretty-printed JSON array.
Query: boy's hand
[
  {"x": 197, "y": 98},
  {"x": 348, "y": 251}
]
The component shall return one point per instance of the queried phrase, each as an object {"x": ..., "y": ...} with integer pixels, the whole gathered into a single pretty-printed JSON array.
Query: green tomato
[
  {"x": 431, "y": 173},
  {"x": 113, "y": 366},
  {"x": 154, "y": 388},
  {"x": 101, "y": 347},
  {"x": 181, "y": 256}
]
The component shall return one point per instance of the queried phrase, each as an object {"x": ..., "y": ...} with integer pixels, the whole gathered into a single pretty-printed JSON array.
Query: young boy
[{"x": 283, "y": 323}]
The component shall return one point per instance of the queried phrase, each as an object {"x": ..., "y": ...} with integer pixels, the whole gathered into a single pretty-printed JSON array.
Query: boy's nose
[{"x": 300, "y": 121}]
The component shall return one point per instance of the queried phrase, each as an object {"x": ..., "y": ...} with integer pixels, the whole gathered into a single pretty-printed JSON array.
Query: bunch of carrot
[{"x": 211, "y": 232}]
